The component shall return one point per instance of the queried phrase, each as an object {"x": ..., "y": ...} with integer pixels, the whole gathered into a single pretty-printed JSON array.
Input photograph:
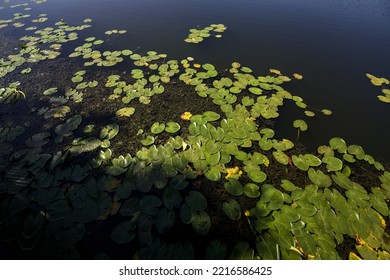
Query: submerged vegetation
[{"x": 171, "y": 159}]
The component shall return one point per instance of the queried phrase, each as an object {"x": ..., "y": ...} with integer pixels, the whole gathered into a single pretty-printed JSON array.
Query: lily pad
[
  {"x": 125, "y": 112},
  {"x": 201, "y": 223},
  {"x": 232, "y": 209},
  {"x": 157, "y": 128},
  {"x": 124, "y": 232},
  {"x": 172, "y": 127},
  {"x": 300, "y": 124},
  {"x": 109, "y": 131},
  {"x": 196, "y": 201}
]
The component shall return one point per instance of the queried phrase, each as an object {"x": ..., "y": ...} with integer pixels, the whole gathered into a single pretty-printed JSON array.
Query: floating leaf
[
  {"x": 109, "y": 131},
  {"x": 157, "y": 128},
  {"x": 332, "y": 163},
  {"x": 172, "y": 127},
  {"x": 201, "y": 223},
  {"x": 232, "y": 209},
  {"x": 257, "y": 176},
  {"x": 300, "y": 124},
  {"x": 125, "y": 112},
  {"x": 251, "y": 190},
  {"x": 196, "y": 201},
  {"x": 124, "y": 232}
]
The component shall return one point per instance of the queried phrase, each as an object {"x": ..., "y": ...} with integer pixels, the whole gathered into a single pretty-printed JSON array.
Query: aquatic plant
[{"x": 76, "y": 171}]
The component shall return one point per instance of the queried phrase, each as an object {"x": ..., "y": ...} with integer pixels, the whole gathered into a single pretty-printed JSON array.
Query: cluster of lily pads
[
  {"x": 49, "y": 198},
  {"x": 381, "y": 82},
  {"x": 197, "y": 35}
]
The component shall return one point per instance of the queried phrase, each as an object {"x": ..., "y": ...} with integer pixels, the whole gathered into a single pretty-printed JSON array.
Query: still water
[{"x": 331, "y": 43}]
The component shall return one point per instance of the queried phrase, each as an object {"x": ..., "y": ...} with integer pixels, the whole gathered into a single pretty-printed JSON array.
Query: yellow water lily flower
[
  {"x": 186, "y": 116},
  {"x": 247, "y": 213},
  {"x": 197, "y": 65},
  {"x": 233, "y": 172}
]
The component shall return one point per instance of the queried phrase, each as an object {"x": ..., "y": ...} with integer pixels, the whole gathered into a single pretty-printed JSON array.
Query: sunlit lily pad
[
  {"x": 157, "y": 128},
  {"x": 109, "y": 131},
  {"x": 125, "y": 112},
  {"x": 172, "y": 127}
]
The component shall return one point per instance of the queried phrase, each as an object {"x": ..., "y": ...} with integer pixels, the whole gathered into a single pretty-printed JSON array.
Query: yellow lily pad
[{"x": 125, "y": 112}]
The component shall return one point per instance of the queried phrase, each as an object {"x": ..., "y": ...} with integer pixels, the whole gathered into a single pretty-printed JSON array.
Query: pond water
[{"x": 331, "y": 43}]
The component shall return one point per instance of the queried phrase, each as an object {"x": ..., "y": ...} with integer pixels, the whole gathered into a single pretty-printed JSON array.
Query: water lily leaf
[
  {"x": 281, "y": 157},
  {"x": 58, "y": 112},
  {"x": 38, "y": 140},
  {"x": 196, "y": 201},
  {"x": 319, "y": 178},
  {"x": 201, "y": 223},
  {"x": 357, "y": 151},
  {"x": 257, "y": 176},
  {"x": 288, "y": 185},
  {"x": 149, "y": 204},
  {"x": 300, "y": 162},
  {"x": 338, "y": 144},
  {"x": 171, "y": 198},
  {"x": 114, "y": 170},
  {"x": 326, "y": 112},
  {"x": 232, "y": 209},
  {"x": 148, "y": 140},
  {"x": 172, "y": 127},
  {"x": 50, "y": 91},
  {"x": 332, "y": 163},
  {"x": 342, "y": 180},
  {"x": 211, "y": 116},
  {"x": 255, "y": 90},
  {"x": 312, "y": 160},
  {"x": 305, "y": 208},
  {"x": 124, "y": 232},
  {"x": 164, "y": 220},
  {"x": 157, "y": 128},
  {"x": 109, "y": 131},
  {"x": 214, "y": 173},
  {"x": 234, "y": 187},
  {"x": 251, "y": 190},
  {"x": 187, "y": 215},
  {"x": 215, "y": 250},
  {"x": 125, "y": 112},
  {"x": 300, "y": 124}
]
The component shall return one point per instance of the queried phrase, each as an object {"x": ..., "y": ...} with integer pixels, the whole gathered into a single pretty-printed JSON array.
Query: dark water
[{"x": 331, "y": 43}]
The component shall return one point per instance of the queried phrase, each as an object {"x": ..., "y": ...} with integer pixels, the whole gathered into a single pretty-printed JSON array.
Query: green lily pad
[
  {"x": 257, "y": 176},
  {"x": 149, "y": 204},
  {"x": 38, "y": 140},
  {"x": 148, "y": 140},
  {"x": 281, "y": 157},
  {"x": 164, "y": 220},
  {"x": 338, "y": 144},
  {"x": 300, "y": 162},
  {"x": 332, "y": 163},
  {"x": 234, "y": 187},
  {"x": 109, "y": 131},
  {"x": 50, "y": 91},
  {"x": 232, "y": 209},
  {"x": 171, "y": 198},
  {"x": 124, "y": 232},
  {"x": 157, "y": 128},
  {"x": 211, "y": 116},
  {"x": 319, "y": 178},
  {"x": 201, "y": 223},
  {"x": 300, "y": 124},
  {"x": 196, "y": 201},
  {"x": 172, "y": 127},
  {"x": 215, "y": 250},
  {"x": 251, "y": 190}
]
